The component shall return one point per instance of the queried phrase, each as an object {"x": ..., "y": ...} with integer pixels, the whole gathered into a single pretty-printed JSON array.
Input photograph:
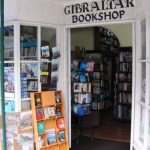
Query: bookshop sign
[{"x": 102, "y": 10}]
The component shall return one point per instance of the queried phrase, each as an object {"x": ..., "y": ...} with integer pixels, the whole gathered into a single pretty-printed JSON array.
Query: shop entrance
[{"x": 101, "y": 85}]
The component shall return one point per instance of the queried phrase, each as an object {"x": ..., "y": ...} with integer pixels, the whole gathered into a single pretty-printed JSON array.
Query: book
[
  {"x": 39, "y": 114},
  {"x": 58, "y": 98},
  {"x": 61, "y": 136},
  {"x": 41, "y": 141},
  {"x": 41, "y": 127},
  {"x": 46, "y": 112},
  {"x": 45, "y": 51},
  {"x": 51, "y": 136},
  {"x": 58, "y": 112},
  {"x": 60, "y": 123},
  {"x": 38, "y": 100},
  {"x": 51, "y": 111}
]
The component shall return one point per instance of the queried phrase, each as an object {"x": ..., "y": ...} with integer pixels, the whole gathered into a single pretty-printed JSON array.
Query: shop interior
[{"x": 101, "y": 83}]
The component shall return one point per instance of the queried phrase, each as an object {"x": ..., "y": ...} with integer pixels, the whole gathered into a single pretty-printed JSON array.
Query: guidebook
[{"x": 50, "y": 136}]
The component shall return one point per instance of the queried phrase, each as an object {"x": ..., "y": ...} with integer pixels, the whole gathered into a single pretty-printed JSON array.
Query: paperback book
[
  {"x": 60, "y": 123},
  {"x": 39, "y": 114},
  {"x": 61, "y": 136},
  {"x": 45, "y": 51},
  {"x": 58, "y": 112},
  {"x": 41, "y": 127},
  {"x": 51, "y": 136}
]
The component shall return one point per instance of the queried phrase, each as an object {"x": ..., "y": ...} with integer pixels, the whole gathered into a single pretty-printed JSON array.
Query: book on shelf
[
  {"x": 58, "y": 97},
  {"x": 41, "y": 141},
  {"x": 32, "y": 85},
  {"x": 45, "y": 52},
  {"x": 51, "y": 136},
  {"x": 61, "y": 136},
  {"x": 39, "y": 113},
  {"x": 58, "y": 112},
  {"x": 60, "y": 123},
  {"x": 51, "y": 111},
  {"x": 41, "y": 127},
  {"x": 38, "y": 101}
]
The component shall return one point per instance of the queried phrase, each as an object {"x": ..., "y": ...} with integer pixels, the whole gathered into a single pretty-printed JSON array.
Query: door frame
[{"x": 67, "y": 53}]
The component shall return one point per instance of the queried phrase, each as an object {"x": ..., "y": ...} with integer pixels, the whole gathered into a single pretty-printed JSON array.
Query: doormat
[{"x": 87, "y": 143}]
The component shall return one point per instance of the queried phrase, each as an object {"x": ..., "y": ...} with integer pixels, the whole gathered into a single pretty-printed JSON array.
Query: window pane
[
  {"x": 142, "y": 114},
  {"x": 28, "y": 43},
  {"x": 143, "y": 38},
  {"x": 143, "y": 82},
  {"x": 9, "y": 43}
]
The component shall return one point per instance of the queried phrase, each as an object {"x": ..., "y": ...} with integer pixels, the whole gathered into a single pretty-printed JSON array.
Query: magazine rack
[{"x": 49, "y": 120}]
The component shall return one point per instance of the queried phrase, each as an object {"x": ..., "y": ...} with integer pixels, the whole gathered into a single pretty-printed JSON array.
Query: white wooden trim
[{"x": 17, "y": 66}]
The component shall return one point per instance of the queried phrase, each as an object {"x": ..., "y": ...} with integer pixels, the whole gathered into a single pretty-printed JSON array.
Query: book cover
[
  {"x": 58, "y": 98},
  {"x": 51, "y": 111},
  {"x": 25, "y": 120},
  {"x": 39, "y": 114},
  {"x": 77, "y": 87},
  {"x": 38, "y": 100},
  {"x": 58, "y": 112},
  {"x": 61, "y": 136},
  {"x": 41, "y": 127},
  {"x": 41, "y": 141},
  {"x": 51, "y": 136},
  {"x": 45, "y": 51},
  {"x": 31, "y": 69},
  {"x": 55, "y": 52},
  {"x": 9, "y": 82},
  {"x": 60, "y": 123},
  {"x": 46, "y": 112}
]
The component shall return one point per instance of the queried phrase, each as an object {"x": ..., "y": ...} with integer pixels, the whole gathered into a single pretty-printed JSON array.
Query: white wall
[
  {"x": 123, "y": 32},
  {"x": 84, "y": 37},
  {"x": 34, "y": 11},
  {"x": 10, "y": 9}
]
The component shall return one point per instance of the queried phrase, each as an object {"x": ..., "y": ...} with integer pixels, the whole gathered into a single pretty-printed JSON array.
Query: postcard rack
[{"x": 49, "y": 120}]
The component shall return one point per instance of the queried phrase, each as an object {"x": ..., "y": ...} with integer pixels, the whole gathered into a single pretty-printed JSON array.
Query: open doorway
[{"x": 101, "y": 85}]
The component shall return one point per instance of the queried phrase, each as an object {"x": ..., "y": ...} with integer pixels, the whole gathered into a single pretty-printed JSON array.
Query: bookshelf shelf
[
  {"x": 54, "y": 127},
  {"x": 123, "y": 85}
]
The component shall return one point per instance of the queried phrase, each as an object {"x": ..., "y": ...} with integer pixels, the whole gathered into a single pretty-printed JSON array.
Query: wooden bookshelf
[{"x": 49, "y": 138}]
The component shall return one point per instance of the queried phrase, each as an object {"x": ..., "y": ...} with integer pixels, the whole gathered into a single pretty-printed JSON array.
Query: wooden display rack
[{"x": 46, "y": 100}]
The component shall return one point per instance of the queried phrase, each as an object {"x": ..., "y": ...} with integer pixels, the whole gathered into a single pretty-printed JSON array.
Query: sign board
[{"x": 99, "y": 11}]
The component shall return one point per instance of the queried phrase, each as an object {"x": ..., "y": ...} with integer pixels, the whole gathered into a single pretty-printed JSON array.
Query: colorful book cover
[
  {"x": 60, "y": 123},
  {"x": 45, "y": 51},
  {"x": 38, "y": 100},
  {"x": 61, "y": 136},
  {"x": 58, "y": 112},
  {"x": 51, "y": 136},
  {"x": 51, "y": 111},
  {"x": 39, "y": 114},
  {"x": 46, "y": 112},
  {"x": 41, "y": 127}
]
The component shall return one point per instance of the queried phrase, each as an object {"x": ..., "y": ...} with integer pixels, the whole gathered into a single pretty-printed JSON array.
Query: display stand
[{"x": 49, "y": 120}]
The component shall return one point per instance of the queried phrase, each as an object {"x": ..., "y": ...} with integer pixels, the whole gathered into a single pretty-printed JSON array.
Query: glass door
[{"x": 141, "y": 113}]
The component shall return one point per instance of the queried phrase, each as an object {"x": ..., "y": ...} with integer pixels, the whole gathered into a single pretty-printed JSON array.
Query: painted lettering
[
  {"x": 94, "y": 6},
  {"x": 130, "y": 3},
  {"x": 67, "y": 10},
  {"x": 85, "y": 7}
]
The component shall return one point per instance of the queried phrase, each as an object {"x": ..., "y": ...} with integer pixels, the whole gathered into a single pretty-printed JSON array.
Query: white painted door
[{"x": 140, "y": 139}]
